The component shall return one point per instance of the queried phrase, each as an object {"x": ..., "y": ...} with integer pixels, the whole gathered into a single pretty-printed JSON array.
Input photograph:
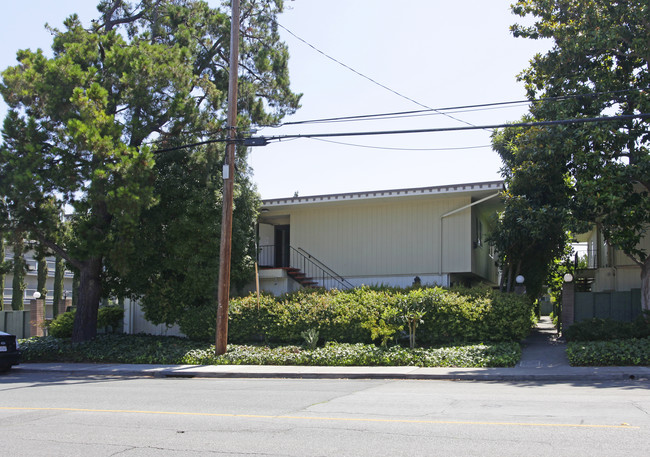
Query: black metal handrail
[
  {"x": 266, "y": 256},
  {"x": 309, "y": 266},
  {"x": 343, "y": 283}
]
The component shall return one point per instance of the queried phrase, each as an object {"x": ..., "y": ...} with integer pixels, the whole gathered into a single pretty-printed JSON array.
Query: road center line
[{"x": 316, "y": 418}]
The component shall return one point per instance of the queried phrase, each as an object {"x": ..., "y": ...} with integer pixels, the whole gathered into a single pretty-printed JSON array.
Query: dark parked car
[{"x": 9, "y": 351}]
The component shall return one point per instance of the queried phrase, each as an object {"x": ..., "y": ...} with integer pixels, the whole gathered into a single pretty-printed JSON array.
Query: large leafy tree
[
  {"x": 175, "y": 269},
  {"x": 83, "y": 124},
  {"x": 531, "y": 231},
  {"x": 598, "y": 65}
]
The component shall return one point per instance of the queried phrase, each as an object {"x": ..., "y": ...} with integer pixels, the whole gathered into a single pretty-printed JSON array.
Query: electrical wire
[
  {"x": 383, "y": 86},
  {"x": 589, "y": 120},
  {"x": 191, "y": 145},
  {"x": 398, "y": 114},
  {"x": 476, "y": 127},
  {"x": 432, "y": 111},
  {"x": 401, "y": 149}
]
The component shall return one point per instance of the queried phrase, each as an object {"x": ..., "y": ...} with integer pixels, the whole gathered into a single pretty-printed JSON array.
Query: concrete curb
[{"x": 557, "y": 374}]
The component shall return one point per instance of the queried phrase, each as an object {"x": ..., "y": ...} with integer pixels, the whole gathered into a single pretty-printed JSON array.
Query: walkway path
[{"x": 542, "y": 349}]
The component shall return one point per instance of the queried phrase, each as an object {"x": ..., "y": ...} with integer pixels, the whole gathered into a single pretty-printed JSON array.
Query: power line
[
  {"x": 474, "y": 127},
  {"x": 191, "y": 145},
  {"x": 401, "y": 149},
  {"x": 262, "y": 141},
  {"x": 383, "y": 86},
  {"x": 428, "y": 111},
  {"x": 398, "y": 114}
]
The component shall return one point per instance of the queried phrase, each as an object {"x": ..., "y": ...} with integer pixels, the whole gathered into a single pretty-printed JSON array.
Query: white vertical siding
[
  {"x": 134, "y": 322},
  {"x": 385, "y": 237},
  {"x": 482, "y": 264}
]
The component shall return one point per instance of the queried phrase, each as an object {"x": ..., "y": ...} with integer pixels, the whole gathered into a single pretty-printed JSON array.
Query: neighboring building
[
  {"x": 431, "y": 235},
  {"x": 608, "y": 269},
  {"x": 608, "y": 288},
  {"x": 31, "y": 281}
]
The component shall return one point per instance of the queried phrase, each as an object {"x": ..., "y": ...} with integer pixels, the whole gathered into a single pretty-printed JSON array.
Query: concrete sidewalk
[
  {"x": 543, "y": 359},
  {"x": 572, "y": 374}
]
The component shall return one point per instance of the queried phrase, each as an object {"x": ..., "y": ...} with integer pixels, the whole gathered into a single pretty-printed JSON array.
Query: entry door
[{"x": 282, "y": 246}]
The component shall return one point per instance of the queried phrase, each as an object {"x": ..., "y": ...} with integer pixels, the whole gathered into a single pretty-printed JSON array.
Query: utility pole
[{"x": 225, "y": 250}]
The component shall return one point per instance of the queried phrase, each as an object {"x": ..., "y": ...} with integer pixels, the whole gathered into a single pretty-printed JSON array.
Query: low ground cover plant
[
  {"x": 116, "y": 348},
  {"x": 629, "y": 352},
  {"x": 606, "y": 342}
]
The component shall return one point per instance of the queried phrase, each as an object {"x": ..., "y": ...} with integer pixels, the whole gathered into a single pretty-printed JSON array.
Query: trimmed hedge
[
  {"x": 366, "y": 315},
  {"x": 108, "y": 317},
  {"x": 607, "y": 329}
]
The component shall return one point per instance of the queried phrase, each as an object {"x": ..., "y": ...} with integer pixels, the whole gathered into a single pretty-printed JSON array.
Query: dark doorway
[{"x": 282, "y": 246}]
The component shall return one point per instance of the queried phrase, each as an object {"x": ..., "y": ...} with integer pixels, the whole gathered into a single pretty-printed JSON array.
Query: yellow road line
[{"x": 316, "y": 418}]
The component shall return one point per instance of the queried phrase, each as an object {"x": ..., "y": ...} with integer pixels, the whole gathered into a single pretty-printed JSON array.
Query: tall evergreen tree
[
  {"x": 83, "y": 124},
  {"x": 4, "y": 269},
  {"x": 41, "y": 272}
]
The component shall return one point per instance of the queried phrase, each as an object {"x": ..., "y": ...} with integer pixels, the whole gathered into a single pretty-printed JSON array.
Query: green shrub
[
  {"x": 607, "y": 329},
  {"x": 61, "y": 326},
  {"x": 110, "y": 317},
  {"x": 465, "y": 315},
  {"x": 369, "y": 315},
  {"x": 200, "y": 322},
  {"x": 628, "y": 352},
  {"x": 343, "y": 316}
]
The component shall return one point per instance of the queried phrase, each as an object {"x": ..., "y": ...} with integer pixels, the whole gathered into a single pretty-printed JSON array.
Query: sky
[{"x": 425, "y": 53}]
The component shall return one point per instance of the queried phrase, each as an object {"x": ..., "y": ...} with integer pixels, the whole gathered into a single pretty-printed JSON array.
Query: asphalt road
[{"x": 53, "y": 415}]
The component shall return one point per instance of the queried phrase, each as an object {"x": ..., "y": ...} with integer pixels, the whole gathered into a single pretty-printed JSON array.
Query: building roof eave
[{"x": 391, "y": 193}]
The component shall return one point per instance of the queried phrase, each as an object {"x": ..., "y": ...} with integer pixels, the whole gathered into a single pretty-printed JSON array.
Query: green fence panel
[
  {"x": 603, "y": 305},
  {"x": 635, "y": 303},
  {"x": 583, "y": 306},
  {"x": 620, "y": 306},
  {"x": 15, "y": 322}
]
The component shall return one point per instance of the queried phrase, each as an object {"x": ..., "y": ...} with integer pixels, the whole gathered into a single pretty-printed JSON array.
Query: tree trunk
[
  {"x": 89, "y": 294},
  {"x": 509, "y": 281},
  {"x": 645, "y": 284},
  {"x": 59, "y": 272},
  {"x": 41, "y": 275},
  {"x": 75, "y": 289},
  {"x": 2, "y": 271},
  {"x": 18, "y": 284}
]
